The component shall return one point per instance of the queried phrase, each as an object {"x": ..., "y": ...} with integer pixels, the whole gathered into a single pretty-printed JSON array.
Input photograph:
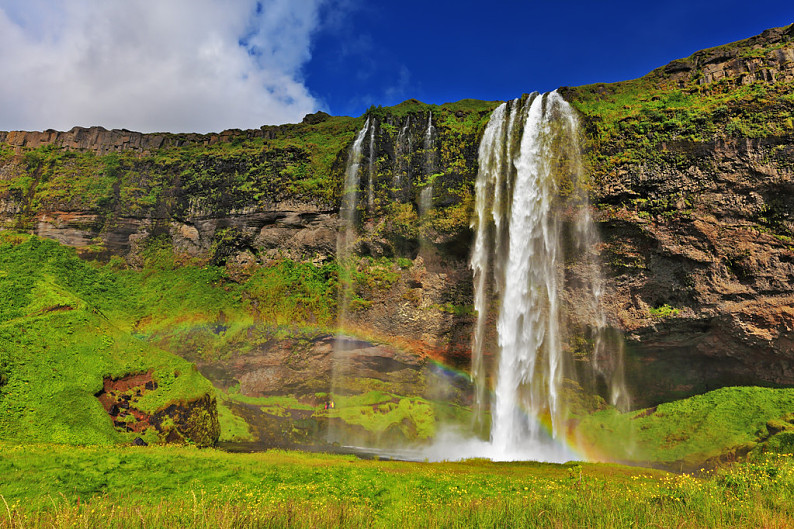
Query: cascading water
[
  {"x": 345, "y": 240},
  {"x": 430, "y": 152},
  {"x": 402, "y": 173},
  {"x": 429, "y": 163},
  {"x": 537, "y": 283},
  {"x": 529, "y": 158},
  {"x": 429, "y": 166},
  {"x": 349, "y": 207},
  {"x": 371, "y": 170}
]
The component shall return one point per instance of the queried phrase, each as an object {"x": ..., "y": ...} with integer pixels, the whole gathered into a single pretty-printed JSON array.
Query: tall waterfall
[
  {"x": 346, "y": 237},
  {"x": 349, "y": 207},
  {"x": 430, "y": 161},
  {"x": 429, "y": 167},
  {"x": 529, "y": 148},
  {"x": 402, "y": 172},
  {"x": 371, "y": 169}
]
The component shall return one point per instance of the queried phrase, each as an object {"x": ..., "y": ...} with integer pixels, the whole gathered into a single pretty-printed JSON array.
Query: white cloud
[{"x": 156, "y": 65}]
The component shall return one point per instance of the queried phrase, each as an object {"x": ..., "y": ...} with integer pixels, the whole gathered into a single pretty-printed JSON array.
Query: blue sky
[
  {"x": 386, "y": 52},
  {"x": 208, "y": 65}
]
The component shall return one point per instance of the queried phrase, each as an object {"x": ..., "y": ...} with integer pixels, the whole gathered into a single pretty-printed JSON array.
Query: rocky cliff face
[
  {"x": 767, "y": 57},
  {"x": 698, "y": 228},
  {"x": 705, "y": 290},
  {"x": 693, "y": 185},
  {"x": 99, "y": 140}
]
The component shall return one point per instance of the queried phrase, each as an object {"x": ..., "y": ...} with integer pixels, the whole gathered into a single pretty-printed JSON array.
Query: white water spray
[
  {"x": 347, "y": 213},
  {"x": 345, "y": 240},
  {"x": 426, "y": 195},
  {"x": 528, "y": 148}
]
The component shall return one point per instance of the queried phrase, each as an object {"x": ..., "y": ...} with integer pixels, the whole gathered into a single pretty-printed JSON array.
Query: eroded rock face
[
  {"x": 704, "y": 290},
  {"x": 302, "y": 234},
  {"x": 195, "y": 421},
  {"x": 306, "y": 234},
  {"x": 746, "y": 64},
  {"x": 309, "y": 368},
  {"x": 99, "y": 140},
  {"x": 308, "y": 365}
]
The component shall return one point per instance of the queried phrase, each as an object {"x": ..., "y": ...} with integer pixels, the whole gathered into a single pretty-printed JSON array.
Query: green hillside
[{"x": 64, "y": 328}]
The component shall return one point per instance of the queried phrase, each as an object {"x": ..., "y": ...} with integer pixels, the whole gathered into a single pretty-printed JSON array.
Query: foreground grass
[{"x": 51, "y": 485}]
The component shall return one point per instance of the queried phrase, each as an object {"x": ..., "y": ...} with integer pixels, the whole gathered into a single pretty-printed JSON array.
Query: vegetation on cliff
[
  {"x": 719, "y": 426},
  {"x": 673, "y": 117},
  {"x": 68, "y": 325}
]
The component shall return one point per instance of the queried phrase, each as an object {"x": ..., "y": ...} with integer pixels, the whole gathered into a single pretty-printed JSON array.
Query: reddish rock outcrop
[{"x": 195, "y": 421}]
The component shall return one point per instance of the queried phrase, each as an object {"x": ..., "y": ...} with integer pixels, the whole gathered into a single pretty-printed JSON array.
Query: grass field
[{"x": 57, "y": 486}]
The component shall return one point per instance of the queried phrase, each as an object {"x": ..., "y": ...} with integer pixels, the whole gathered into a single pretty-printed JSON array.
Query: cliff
[{"x": 692, "y": 181}]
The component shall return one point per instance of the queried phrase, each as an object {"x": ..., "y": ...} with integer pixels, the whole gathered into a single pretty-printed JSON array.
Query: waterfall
[
  {"x": 429, "y": 166},
  {"x": 528, "y": 148},
  {"x": 371, "y": 171},
  {"x": 346, "y": 237},
  {"x": 430, "y": 153},
  {"x": 402, "y": 173},
  {"x": 348, "y": 211}
]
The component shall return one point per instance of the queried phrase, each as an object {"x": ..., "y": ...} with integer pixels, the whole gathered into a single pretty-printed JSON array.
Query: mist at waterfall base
[{"x": 531, "y": 212}]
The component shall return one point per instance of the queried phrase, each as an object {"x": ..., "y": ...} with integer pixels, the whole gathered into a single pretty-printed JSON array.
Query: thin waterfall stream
[{"x": 345, "y": 240}]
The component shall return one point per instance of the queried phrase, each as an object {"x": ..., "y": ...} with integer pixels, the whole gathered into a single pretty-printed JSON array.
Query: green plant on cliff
[
  {"x": 649, "y": 121},
  {"x": 199, "y": 310},
  {"x": 664, "y": 311}
]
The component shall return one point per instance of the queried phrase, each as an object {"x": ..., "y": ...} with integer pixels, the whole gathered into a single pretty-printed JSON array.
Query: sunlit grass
[{"x": 50, "y": 485}]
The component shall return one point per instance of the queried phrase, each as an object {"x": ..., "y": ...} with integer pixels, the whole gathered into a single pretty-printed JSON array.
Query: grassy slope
[
  {"x": 66, "y": 324},
  {"x": 691, "y": 431},
  {"x": 62, "y": 329},
  {"x": 123, "y": 487}
]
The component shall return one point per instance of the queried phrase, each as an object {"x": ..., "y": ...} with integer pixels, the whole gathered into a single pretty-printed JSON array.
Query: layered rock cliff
[{"x": 692, "y": 184}]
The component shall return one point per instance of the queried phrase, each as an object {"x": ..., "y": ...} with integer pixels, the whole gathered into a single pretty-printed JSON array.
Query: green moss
[
  {"x": 664, "y": 311},
  {"x": 655, "y": 122},
  {"x": 377, "y": 412},
  {"x": 782, "y": 443}
]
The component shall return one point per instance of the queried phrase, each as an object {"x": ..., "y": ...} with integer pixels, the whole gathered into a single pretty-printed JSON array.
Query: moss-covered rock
[{"x": 194, "y": 421}]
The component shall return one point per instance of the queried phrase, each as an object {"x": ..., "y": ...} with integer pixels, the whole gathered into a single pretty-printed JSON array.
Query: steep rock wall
[
  {"x": 692, "y": 185},
  {"x": 696, "y": 210}
]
